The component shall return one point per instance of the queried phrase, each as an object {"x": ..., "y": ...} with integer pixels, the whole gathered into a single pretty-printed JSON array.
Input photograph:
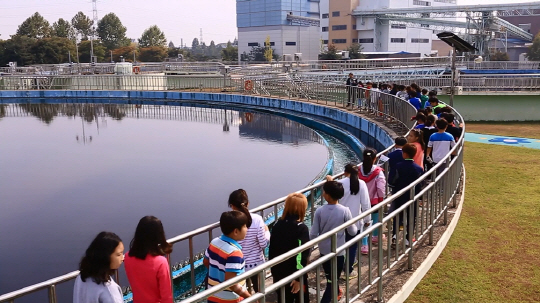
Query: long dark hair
[
  {"x": 150, "y": 239},
  {"x": 370, "y": 155},
  {"x": 355, "y": 183},
  {"x": 240, "y": 200},
  {"x": 96, "y": 263}
]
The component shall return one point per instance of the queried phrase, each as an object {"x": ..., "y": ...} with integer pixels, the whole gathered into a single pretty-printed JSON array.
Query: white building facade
[
  {"x": 373, "y": 35},
  {"x": 259, "y": 19}
]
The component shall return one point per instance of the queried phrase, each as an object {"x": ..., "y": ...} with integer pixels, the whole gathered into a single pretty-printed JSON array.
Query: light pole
[{"x": 457, "y": 44}]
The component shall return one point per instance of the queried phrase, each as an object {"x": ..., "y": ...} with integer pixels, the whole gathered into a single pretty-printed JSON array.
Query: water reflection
[{"x": 251, "y": 125}]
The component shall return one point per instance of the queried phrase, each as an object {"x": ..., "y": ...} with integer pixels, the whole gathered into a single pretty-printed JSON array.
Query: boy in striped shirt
[{"x": 224, "y": 258}]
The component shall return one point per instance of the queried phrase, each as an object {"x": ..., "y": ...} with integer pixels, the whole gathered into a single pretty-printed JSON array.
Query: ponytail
[
  {"x": 369, "y": 157},
  {"x": 239, "y": 199},
  {"x": 355, "y": 183}
]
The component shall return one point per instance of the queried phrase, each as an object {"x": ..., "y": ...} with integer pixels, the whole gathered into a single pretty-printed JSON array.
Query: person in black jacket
[
  {"x": 352, "y": 85},
  {"x": 406, "y": 173},
  {"x": 288, "y": 233}
]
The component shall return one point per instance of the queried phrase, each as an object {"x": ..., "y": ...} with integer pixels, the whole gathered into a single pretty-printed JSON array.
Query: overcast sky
[{"x": 179, "y": 19}]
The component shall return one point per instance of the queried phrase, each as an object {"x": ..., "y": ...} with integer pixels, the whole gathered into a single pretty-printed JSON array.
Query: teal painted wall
[{"x": 497, "y": 107}]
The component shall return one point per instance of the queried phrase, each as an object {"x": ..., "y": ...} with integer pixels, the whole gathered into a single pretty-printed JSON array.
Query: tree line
[{"x": 38, "y": 42}]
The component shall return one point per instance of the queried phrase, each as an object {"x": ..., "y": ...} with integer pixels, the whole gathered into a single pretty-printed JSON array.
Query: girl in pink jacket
[{"x": 376, "y": 183}]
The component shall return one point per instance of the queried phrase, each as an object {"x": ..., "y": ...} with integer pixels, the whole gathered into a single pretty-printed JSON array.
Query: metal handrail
[{"x": 385, "y": 105}]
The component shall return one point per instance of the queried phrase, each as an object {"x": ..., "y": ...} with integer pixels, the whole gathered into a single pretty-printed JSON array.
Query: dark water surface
[{"x": 68, "y": 171}]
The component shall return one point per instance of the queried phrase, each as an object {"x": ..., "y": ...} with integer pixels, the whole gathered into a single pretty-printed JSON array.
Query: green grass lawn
[{"x": 494, "y": 253}]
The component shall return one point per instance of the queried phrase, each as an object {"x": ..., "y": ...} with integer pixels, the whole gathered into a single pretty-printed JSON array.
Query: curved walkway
[{"x": 502, "y": 140}]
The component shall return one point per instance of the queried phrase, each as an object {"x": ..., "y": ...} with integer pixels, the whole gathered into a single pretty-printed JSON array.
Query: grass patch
[
  {"x": 494, "y": 253},
  {"x": 512, "y": 129}
]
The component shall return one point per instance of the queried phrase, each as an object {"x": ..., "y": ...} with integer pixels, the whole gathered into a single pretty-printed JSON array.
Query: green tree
[
  {"x": 152, "y": 54},
  {"x": 82, "y": 25},
  {"x": 257, "y": 54},
  {"x": 499, "y": 56},
  {"x": 53, "y": 50},
  {"x": 230, "y": 53},
  {"x": 330, "y": 53},
  {"x": 152, "y": 36},
  {"x": 212, "y": 50},
  {"x": 34, "y": 26},
  {"x": 355, "y": 51},
  {"x": 17, "y": 49},
  {"x": 84, "y": 51},
  {"x": 533, "y": 53},
  {"x": 268, "y": 52},
  {"x": 111, "y": 32},
  {"x": 195, "y": 43},
  {"x": 62, "y": 28},
  {"x": 126, "y": 52}
]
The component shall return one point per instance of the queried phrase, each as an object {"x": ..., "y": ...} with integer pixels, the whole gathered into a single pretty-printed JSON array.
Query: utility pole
[
  {"x": 94, "y": 24},
  {"x": 201, "y": 40}
]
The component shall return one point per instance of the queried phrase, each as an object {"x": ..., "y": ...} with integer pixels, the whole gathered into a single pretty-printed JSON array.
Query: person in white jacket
[{"x": 356, "y": 198}]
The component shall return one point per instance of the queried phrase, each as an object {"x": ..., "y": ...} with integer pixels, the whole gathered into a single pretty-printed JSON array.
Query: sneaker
[
  {"x": 340, "y": 294},
  {"x": 375, "y": 239},
  {"x": 353, "y": 275},
  {"x": 364, "y": 249},
  {"x": 401, "y": 228},
  {"x": 393, "y": 245},
  {"x": 406, "y": 242}
]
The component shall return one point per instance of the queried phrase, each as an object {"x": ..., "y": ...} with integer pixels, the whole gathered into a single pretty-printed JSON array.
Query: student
[
  {"x": 415, "y": 138},
  {"x": 376, "y": 183},
  {"x": 420, "y": 120},
  {"x": 417, "y": 90},
  {"x": 395, "y": 157},
  {"x": 288, "y": 233},
  {"x": 424, "y": 98},
  {"x": 402, "y": 93},
  {"x": 356, "y": 198},
  {"x": 434, "y": 103},
  {"x": 415, "y": 102},
  {"x": 440, "y": 143},
  {"x": 257, "y": 236},
  {"x": 394, "y": 89},
  {"x": 224, "y": 258},
  {"x": 94, "y": 283},
  {"x": 351, "y": 89},
  {"x": 452, "y": 129},
  {"x": 326, "y": 218},
  {"x": 146, "y": 266},
  {"x": 406, "y": 173}
]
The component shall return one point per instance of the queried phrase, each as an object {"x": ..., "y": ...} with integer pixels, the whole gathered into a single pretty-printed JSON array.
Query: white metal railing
[{"x": 437, "y": 197}]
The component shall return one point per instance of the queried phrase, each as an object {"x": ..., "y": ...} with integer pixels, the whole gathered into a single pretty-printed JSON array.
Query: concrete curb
[{"x": 402, "y": 295}]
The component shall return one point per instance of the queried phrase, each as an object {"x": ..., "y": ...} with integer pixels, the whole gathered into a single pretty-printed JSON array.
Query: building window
[
  {"x": 339, "y": 41},
  {"x": 335, "y": 14},
  {"x": 354, "y": 40},
  {"x": 424, "y": 25},
  {"x": 325, "y": 16},
  {"x": 253, "y": 44},
  {"x": 421, "y": 3},
  {"x": 339, "y": 27},
  {"x": 418, "y": 40},
  {"x": 290, "y": 43},
  {"x": 398, "y": 26},
  {"x": 325, "y": 41},
  {"x": 272, "y": 43},
  {"x": 325, "y": 28},
  {"x": 397, "y": 40},
  {"x": 354, "y": 26},
  {"x": 446, "y": 1},
  {"x": 365, "y": 40}
]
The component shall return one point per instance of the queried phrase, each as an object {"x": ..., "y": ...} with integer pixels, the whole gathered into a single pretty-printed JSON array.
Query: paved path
[{"x": 502, "y": 140}]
